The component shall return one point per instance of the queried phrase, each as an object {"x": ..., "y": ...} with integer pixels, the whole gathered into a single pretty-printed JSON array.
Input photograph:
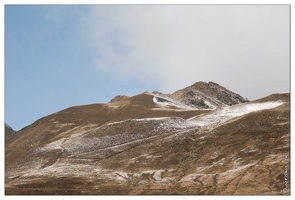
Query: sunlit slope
[{"x": 136, "y": 145}]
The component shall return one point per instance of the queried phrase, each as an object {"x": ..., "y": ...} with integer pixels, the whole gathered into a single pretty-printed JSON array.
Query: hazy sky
[{"x": 62, "y": 56}]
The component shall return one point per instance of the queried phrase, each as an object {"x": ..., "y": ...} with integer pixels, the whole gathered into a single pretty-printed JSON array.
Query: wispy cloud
[{"x": 241, "y": 47}]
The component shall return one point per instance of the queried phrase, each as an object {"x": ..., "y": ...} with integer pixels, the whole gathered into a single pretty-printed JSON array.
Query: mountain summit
[
  {"x": 203, "y": 139},
  {"x": 207, "y": 95}
]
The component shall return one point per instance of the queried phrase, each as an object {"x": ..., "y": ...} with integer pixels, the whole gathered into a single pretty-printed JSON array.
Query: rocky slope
[
  {"x": 155, "y": 144},
  {"x": 8, "y": 130},
  {"x": 207, "y": 95}
]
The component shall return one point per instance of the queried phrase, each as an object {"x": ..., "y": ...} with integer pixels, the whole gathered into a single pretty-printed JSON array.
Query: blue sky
[
  {"x": 62, "y": 56},
  {"x": 48, "y": 67}
]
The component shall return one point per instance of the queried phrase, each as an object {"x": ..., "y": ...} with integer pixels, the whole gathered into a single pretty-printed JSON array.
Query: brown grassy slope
[
  {"x": 256, "y": 147},
  {"x": 60, "y": 124},
  {"x": 244, "y": 156},
  {"x": 285, "y": 97}
]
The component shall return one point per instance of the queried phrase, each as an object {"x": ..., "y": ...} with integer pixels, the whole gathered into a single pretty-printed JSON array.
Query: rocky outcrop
[
  {"x": 207, "y": 95},
  {"x": 118, "y": 98},
  {"x": 8, "y": 130}
]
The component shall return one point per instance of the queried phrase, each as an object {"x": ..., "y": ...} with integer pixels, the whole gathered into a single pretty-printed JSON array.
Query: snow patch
[
  {"x": 222, "y": 115},
  {"x": 51, "y": 146},
  {"x": 151, "y": 119},
  {"x": 138, "y": 120},
  {"x": 62, "y": 169},
  {"x": 211, "y": 106},
  {"x": 169, "y": 102},
  {"x": 215, "y": 118},
  {"x": 65, "y": 124}
]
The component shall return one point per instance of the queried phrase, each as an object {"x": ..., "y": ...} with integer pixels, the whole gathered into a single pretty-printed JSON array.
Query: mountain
[
  {"x": 207, "y": 95},
  {"x": 155, "y": 143},
  {"x": 200, "y": 95},
  {"x": 8, "y": 130}
]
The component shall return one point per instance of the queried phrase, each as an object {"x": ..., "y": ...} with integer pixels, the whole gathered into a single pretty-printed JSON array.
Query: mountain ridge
[{"x": 153, "y": 143}]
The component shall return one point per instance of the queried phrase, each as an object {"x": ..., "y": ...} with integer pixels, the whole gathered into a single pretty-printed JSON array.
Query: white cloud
[{"x": 240, "y": 47}]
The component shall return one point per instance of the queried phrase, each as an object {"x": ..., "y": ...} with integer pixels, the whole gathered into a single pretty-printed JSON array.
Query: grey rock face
[
  {"x": 8, "y": 130},
  {"x": 118, "y": 98}
]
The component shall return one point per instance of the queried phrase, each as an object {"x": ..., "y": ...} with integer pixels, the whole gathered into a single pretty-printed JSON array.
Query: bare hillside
[{"x": 153, "y": 143}]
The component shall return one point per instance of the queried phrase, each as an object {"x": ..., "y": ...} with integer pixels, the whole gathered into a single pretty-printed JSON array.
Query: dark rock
[
  {"x": 8, "y": 130},
  {"x": 118, "y": 98}
]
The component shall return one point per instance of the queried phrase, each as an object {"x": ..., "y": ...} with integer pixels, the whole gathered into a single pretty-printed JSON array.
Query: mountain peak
[
  {"x": 207, "y": 95},
  {"x": 154, "y": 143},
  {"x": 8, "y": 130}
]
